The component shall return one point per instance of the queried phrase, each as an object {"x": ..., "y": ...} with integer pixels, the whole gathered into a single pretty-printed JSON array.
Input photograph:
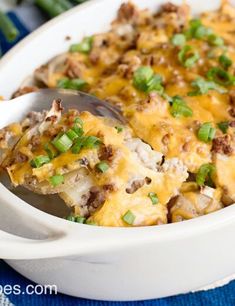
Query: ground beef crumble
[
  {"x": 169, "y": 7},
  {"x": 222, "y": 145},
  {"x": 127, "y": 12},
  {"x": 106, "y": 153},
  {"x": 137, "y": 184}
]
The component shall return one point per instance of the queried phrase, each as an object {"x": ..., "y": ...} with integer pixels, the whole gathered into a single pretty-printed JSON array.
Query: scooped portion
[{"x": 107, "y": 176}]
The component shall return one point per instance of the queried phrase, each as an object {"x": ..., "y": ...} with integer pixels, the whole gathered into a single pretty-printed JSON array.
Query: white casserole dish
[{"x": 96, "y": 262}]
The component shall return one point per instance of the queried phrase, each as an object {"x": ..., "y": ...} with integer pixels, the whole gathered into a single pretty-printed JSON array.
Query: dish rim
[{"x": 192, "y": 226}]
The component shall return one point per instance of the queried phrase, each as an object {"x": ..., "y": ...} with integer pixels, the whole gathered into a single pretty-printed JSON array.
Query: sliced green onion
[
  {"x": 215, "y": 40},
  {"x": 52, "y": 153},
  {"x": 223, "y": 126},
  {"x": 8, "y": 28},
  {"x": 62, "y": 143},
  {"x": 194, "y": 24},
  {"x": 79, "y": 121},
  {"x": 80, "y": 219},
  {"x": 225, "y": 61},
  {"x": 204, "y": 175},
  {"x": 65, "y": 4},
  {"x": 142, "y": 76},
  {"x": 129, "y": 217},
  {"x": 188, "y": 57},
  {"x": 84, "y": 46},
  {"x": 63, "y": 83},
  {"x": 53, "y": 8},
  {"x": 56, "y": 180},
  {"x": 202, "y": 87},
  {"x": 202, "y": 32},
  {"x": 220, "y": 76},
  {"x": 180, "y": 108},
  {"x": 79, "y": 1},
  {"x": 72, "y": 134},
  {"x": 153, "y": 197},
  {"x": 87, "y": 142},
  {"x": 211, "y": 134},
  {"x": 206, "y": 132},
  {"x": 88, "y": 222},
  {"x": 178, "y": 40},
  {"x": 145, "y": 80},
  {"x": 155, "y": 84},
  {"x": 39, "y": 161},
  {"x": 102, "y": 166},
  {"x": 91, "y": 142},
  {"x": 77, "y": 219},
  {"x": 78, "y": 126},
  {"x": 75, "y": 84},
  {"x": 79, "y": 131},
  {"x": 71, "y": 218},
  {"x": 119, "y": 129},
  {"x": 197, "y": 30},
  {"x": 77, "y": 147}
]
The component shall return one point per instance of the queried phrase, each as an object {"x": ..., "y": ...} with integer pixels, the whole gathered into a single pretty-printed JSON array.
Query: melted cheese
[
  {"x": 226, "y": 174},
  {"x": 108, "y": 70},
  {"x": 122, "y": 170},
  {"x": 164, "y": 184},
  {"x": 153, "y": 125}
]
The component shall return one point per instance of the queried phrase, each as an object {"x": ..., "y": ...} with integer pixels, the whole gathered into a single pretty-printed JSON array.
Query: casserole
[
  {"x": 147, "y": 262},
  {"x": 135, "y": 66},
  {"x": 97, "y": 167}
]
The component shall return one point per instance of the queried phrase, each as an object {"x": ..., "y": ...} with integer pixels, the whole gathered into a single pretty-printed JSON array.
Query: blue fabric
[
  {"x": 224, "y": 296},
  {"x": 5, "y": 45}
]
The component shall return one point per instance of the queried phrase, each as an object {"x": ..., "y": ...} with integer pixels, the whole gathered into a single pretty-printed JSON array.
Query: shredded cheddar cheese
[{"x": 172, "y": 75}]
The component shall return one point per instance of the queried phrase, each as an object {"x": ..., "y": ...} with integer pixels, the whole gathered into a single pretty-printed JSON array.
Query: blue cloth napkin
[{"x": 224, "y": 296}]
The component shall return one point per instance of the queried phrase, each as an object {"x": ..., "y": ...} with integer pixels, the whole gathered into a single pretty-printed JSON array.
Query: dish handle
[
  {"x": 47, "y": 236},
  {"x": 28, "y": 233},
  {"x": 82, "y": 243},
  {"x": 16, "y": 247}
]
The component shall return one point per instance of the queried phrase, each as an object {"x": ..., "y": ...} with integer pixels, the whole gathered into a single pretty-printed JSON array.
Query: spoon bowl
[
  {"x": 16, "y": 109},
  {"x": 41, "y": 100}
]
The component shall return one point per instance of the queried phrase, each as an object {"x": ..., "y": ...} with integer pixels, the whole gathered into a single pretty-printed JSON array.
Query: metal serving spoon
[{"x": 16, "y": 109}]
